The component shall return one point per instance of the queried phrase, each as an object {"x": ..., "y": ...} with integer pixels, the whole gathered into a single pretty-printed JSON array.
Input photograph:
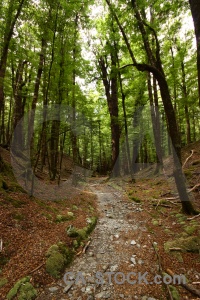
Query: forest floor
[{"x": 135, "y": 221}]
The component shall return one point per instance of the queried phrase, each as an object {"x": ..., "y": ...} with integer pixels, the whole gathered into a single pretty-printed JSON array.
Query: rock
[
  {"x": 133, "y": 260},
  {"x": 88, "y": 290},
  {"x": 107, "y": 296},
  {"x": 100, "y": 295},
  {"x": 114, "y": 268},
  {"x": 53, "y": 289},
  {"x": 133, "y": 242},
  {"x": 90, "y": 297},
  {"x": 140, "y": 262},
  {"x": 189, "y": 244},
  {"x": 68, "y": 287}
]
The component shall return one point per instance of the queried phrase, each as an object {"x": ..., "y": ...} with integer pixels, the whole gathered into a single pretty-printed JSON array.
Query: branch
[
  {"x": 192, "y": 152},
  {"x": 186, "y": 286},
  {"x": 194, "y": 188},
  {"x": 1, "y": 245}
]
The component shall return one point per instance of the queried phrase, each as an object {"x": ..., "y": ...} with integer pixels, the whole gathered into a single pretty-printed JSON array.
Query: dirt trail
[{"x": 119, "y": 243}]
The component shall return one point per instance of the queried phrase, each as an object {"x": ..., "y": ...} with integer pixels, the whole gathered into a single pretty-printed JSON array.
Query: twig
[
  {"x": 192, "y": 152},
  {"x": 194, "y": 188},
  {"x": 1, "y": 245},
  {"x": 40, "y": 266},
  {"x": 189, "y": 288},
  {"x": 161, "y": 271},
  {"x": 197, "y": 282},
  {"x": 192, "y": 218},
  {"x": 86, "y": 246},
  {"x": 175, "y": 249}
]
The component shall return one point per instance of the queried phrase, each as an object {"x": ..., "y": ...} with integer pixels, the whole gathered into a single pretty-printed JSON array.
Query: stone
[
  {"x": 114, "y": 268},
  {"x": 68, "y": 287},
  {"x": 100, "y": 295},
  {"x": 53, "y": 289},
  {"x": 133, "y": 260},
  {"x": 133, "y": 242}
]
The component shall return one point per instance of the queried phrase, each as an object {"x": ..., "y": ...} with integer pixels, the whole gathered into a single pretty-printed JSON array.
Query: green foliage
[{"x": 23, "y": 289}]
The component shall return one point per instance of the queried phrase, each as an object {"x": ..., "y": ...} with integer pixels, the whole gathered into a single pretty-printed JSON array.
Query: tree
[
  {"x": 195, "y": 9},
  {"x": 13, "y": 12},
  {"x": 155, "y": 67}
]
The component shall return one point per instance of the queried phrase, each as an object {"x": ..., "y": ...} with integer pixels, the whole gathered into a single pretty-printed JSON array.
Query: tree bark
[
  {"x": 111, "y": 91},
  {"x": 195, "y": 9}
]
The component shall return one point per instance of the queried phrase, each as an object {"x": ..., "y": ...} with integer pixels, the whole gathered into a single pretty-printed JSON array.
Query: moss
[
  {"x": 59, "y": 256},
  {"x": 174, "y": 292},
  {"x": 55, "y": 264},
  {"x": 63, "y": 218},
  {"x": 3, "y": 281},
  {"x": 188, "y": 174},
  {"x": 135, "y": 199},
  {"x": 18, "y": 217},
  {"x": 23, "y": 289},
  {"x": 155, "y": 222},
  {"x": 189, "y": 244},
  {"x": 190, "y": 229},
  {"x": 181, "y": 217}
]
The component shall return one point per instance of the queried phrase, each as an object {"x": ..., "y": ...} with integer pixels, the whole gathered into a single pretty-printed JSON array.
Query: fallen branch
[
  {"x": 1, "y": 245},
  {"x": 175, "y": 249},
  {"x": 192, "y": 152},
  {"x": 86, "y": 246},
  {"x": 189, "y": 288},
  {"x": 161, "y": 271},
  {"x": 40, "y": 266},
  {"x": 192, "y": 218},
  {"x": 194, "y": 188}
]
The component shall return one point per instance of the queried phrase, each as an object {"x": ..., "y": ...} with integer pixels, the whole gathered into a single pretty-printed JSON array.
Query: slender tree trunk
[
  {"x": 195, "y": 9},
  {"x": 185, "y": 95},
  {"x": 111, "y": 90},
  {"x": 36, "y": 93},
  {"x": 155, "y": 121}
]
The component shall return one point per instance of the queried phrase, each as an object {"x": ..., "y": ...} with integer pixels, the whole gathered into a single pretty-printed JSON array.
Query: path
[{"x": 117, "y": 245}]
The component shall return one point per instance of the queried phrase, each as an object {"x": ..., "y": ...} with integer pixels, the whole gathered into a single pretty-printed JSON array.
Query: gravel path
[{"x": 105, "y": 253}]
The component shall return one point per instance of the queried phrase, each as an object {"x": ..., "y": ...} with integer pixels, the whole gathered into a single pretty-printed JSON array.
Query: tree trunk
[
  {"x": 111, "y": 91},
  {"x": 195, "y": 9},
  {"x": 155, "y": 121},
  {"x": 185, "y": 99}
]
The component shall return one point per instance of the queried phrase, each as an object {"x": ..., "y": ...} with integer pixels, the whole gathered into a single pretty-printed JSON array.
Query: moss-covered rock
[
  {"x": 189, "y": 244},
  {"x": 55, "y": 264},
  {"x": 58, "y": 257},
  {"x": 23, "y": 290}
]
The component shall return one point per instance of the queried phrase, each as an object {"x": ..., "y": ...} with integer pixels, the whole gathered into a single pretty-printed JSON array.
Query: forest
[
  {"x": 96, "y": 98},
  {"x": 114, "y": 86}
]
